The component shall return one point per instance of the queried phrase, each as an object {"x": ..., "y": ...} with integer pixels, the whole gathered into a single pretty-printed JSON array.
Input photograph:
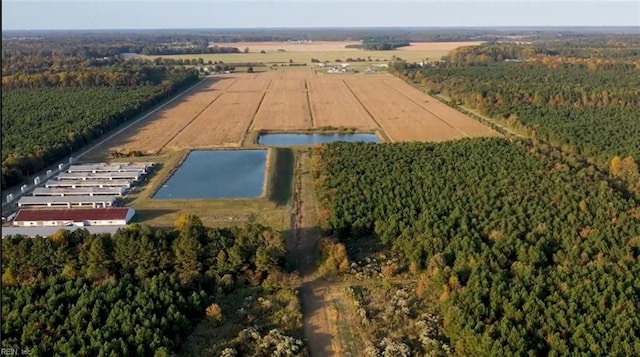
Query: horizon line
[{"x": 522, "y": 27}]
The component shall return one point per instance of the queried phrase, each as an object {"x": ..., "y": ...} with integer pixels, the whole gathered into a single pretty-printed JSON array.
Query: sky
[{"x": 148, "y": 14}]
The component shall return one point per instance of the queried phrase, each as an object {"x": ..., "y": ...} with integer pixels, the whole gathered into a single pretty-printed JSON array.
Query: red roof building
[{"x": 73, "y": 217}]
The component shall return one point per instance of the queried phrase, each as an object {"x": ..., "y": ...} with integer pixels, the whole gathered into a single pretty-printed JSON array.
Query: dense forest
[
  {"x": 54, "y": 103},
  {"x": 530, "y": 256},
  {"x": 593, "y": 52},
  {"x": 141, "y": 291},
  {"x": 588, "y": 107},
  {"x": 43, "y": 124}
]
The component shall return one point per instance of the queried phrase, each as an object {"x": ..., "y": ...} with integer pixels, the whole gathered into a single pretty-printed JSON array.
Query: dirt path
[
  {"x": 318, "y": 301},
  {"x": 329, "y": 315}
]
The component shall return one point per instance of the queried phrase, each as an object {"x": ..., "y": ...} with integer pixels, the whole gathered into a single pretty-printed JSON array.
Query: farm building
[
  {"x": 78, "y": 191},
  {"x": 66, "y": 201},
  {"x": 140, "y": 167},
  {"x": 88, "y": 183},
  {"x": 73, "y": 217},
  {"x": 98, "y": 176}
]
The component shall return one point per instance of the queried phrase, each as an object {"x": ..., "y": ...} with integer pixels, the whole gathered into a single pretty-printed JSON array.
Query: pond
[
  {"x": 217, "y": 174},
  {"x": 297, "y": 139}
]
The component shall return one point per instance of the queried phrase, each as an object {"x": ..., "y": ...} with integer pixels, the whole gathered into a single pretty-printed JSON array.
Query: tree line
[
  {"x": 44, "y": 124},
  {"x": 529, "y": 256}
]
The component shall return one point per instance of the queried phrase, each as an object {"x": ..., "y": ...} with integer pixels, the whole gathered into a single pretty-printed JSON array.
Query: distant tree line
[{"x": 186, "y": 50}]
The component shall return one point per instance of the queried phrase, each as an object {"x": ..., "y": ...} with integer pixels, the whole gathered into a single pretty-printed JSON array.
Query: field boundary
[
  {"x": 306, "y": 89},
  {"x": 188, "y": 123},
  {"x": 253, "y": 117},
  {"x": 368, "y": 112}
]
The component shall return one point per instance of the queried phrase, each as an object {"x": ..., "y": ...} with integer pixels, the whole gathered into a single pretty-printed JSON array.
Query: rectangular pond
[
  {"x": 301, "y": 139},
  {"x": 217, "y": 174}
]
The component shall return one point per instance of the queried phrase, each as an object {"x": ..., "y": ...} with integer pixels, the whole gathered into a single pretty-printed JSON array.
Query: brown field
[
  {"x": 399, "y": 117},
  {"x": 288, "y": 85},
  {"x": 337, "y": 46},
  {"x": 332, "y": 104},
  {"x": 299, "y": 74},
  {"x": 283, "y": 110},
  {"x": 152, "y": 134},
  {"x": 223, "y": 123},
  {"x": 323, "y": 51},
  {"x": 460, "y": 121},
  {"x": 221, "y": 110},
  {"x": 255, "y": 84}
]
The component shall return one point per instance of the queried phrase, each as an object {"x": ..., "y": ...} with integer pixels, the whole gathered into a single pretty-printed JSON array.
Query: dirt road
[{"x": 319, "y": 316}]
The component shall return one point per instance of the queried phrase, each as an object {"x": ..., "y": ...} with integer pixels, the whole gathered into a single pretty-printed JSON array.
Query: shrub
[
  {"x": 214, "y": 312},
  {"x": 333, "y": 257}
]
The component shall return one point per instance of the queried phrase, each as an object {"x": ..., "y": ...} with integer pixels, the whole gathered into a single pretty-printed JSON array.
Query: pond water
[
  {"x": 297, "y": 139},
  {"x": 217, "y": 174}
]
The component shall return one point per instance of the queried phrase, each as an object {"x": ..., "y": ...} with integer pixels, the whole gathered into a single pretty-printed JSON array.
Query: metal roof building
[
  {"x": 78, "y": 191},
  {"x": 140, "y": 167},
  {"x": 67, "y": 201},
  {"x": 88, "y": 183},
  {"x": 98, "y": 176},
  {"x": 73, "y": 217}
]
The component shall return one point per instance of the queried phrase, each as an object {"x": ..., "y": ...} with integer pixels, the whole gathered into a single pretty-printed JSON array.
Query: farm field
[
  {"x": 223, "y": 123},
  {"x": 149, "y": 136},
  {"x": 398, "y": 116},
  {"x": 332, "y": 104},
  {"x": 287, "y": 84},
  {"x": 220, "y": 111},
  {"x": 247, "y": 84},
  {"x": 455, "y": 118},
  {"x": 323, "y": 51},
  {"x": 283, "y": 110}
]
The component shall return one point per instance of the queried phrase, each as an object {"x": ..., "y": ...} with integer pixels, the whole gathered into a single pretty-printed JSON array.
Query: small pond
[
  {"x": 217, "y": 174},
  {"x": 300, "y": 139}
]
